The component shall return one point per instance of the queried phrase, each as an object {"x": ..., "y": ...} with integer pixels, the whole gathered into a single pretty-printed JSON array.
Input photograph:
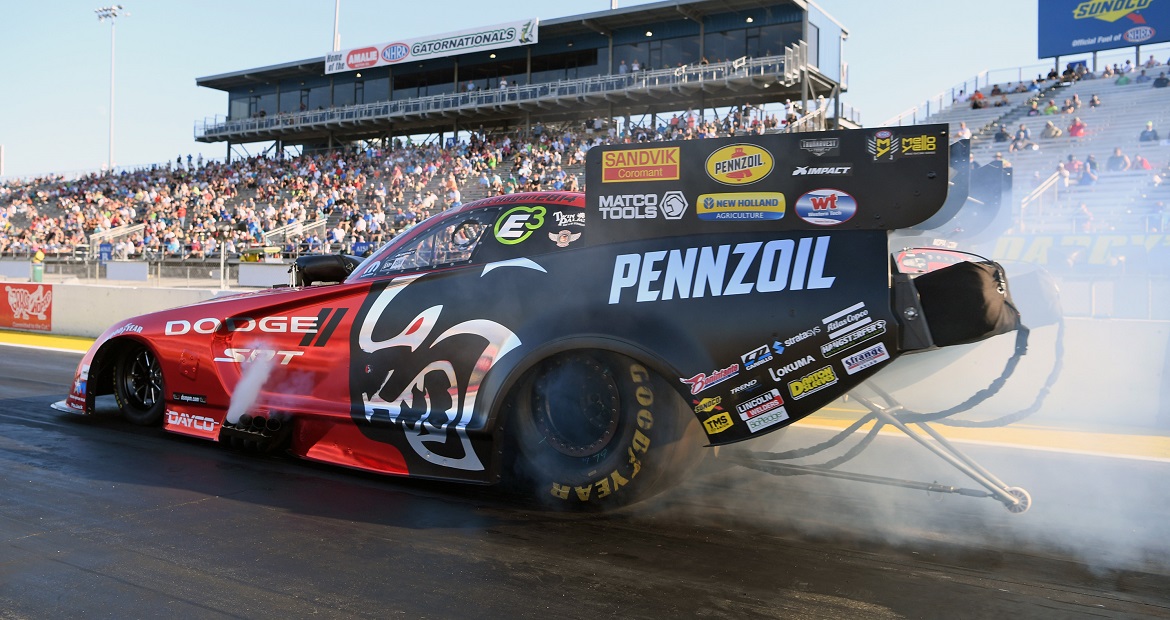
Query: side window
[{"x": 450, "y": 244}]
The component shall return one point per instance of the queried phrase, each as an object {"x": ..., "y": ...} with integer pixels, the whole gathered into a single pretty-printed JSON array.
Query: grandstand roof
[{"x": 597, "y": 22}]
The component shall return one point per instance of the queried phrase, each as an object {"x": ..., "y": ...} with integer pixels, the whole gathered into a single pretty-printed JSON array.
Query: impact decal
[
  {"x": 756, "y": 357},
  {"x": 739, "y": 164},
  {"x": 781, "y": 264},
  {"x": 702, "y": 381},
  {"x": 821, "y": 146},
  {"x": 422, "y": 392},
  {"x": 813, "y": 382},
  {"x": 655, "y": 164},
  {"x": 564, "y": 238},
  {"x": 739, "y": 207},
  {"x": 865, "y": 358},
  {"x": 516, "y": 224},
  {"x": 718, "y": 423},
  {"x": 845, "y": 170},
  {"x": 826, "y": 207},
  {"x": 779, "y": 373}
]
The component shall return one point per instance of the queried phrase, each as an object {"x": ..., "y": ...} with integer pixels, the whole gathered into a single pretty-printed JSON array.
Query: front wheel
[
  {"x": 594, "y": 429},
  {"x": 138, "y": 386}
]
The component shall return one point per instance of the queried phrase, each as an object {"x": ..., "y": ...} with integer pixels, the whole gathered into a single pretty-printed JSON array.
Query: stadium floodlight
[{"x": 111, "y": 13}]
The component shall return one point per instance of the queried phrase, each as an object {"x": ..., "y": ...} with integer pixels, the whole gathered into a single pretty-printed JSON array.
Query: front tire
[
  {"x": 139, "y": 388},
  {"x": 594, "y": 430}
]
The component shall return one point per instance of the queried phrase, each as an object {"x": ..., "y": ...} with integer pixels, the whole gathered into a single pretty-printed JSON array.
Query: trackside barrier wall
[
  {"x": 87, "y": 310},
  {"x": 263, "y": 274},
  {"x": 134, "y": 271},
  {"x": 20, "y": 269}
]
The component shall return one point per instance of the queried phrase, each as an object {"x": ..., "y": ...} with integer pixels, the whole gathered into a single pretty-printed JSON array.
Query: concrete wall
[
  {"x": 19, "y": 269},
  {"x": 136, "y": 271},
  {"x": 264, "y": 274},
  {"x": 87, "y": 310}
]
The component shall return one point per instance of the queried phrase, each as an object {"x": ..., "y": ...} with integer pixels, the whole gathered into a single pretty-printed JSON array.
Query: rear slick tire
[
  {"x": 595, "y": 430},
  {"x": 138, "y": 387}
]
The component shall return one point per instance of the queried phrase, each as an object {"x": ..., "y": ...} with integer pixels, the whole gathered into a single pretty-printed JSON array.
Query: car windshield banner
[
  {"x": 435, "y": 46},
  {"x": 1075, "y": 26},
  {"x": 29, "y": 307}
]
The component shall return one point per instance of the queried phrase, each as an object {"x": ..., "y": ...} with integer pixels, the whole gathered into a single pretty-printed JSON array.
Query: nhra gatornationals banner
[
  {"x": 435, "y": 46},
  {"x": 1073, "y": 26},
  {"x": 28, "y": 306}
]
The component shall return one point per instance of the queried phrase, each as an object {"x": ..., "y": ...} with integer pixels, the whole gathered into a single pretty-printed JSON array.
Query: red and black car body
[{"x": 585, "y": 342}]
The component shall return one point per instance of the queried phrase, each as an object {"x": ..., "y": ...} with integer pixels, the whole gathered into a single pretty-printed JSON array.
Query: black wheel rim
[
  {"x": 143, "y": 381},
  {"x": 577, "y": 407}
]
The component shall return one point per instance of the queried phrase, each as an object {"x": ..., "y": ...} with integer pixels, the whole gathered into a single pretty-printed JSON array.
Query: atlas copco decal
[
  {"x": 360, "y": 59},
  {"x": 755, "y": 267},
  {"x": 672, "y": 206},
  {"x": 653, "y": 164},
  {"x": 395, "y": 52},
  {"x": 739, "y": 164},
  {"x": 703, "y": 381},
  {"x": 826, "y": 207}
]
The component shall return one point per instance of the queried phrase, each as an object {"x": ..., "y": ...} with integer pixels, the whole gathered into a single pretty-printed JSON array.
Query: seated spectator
[
  {"x": 1034, "y": 110},
  {"x": 1002, "y": 162},
  {"x": 1149, "y": 134},
  {"x": 1122, "y": 80},
  {"x": 1094, "y": 101},
  {"x": 1090, "y": 171},
  {"x": 1142, "y": 78},
  {"x": 1002, "y": 135},
  {"x": 1003, "y": 102},
  {"x": 1141, "y": 163},
  {"x": 1077, "y": 128},
  {"x": 1051, "y": 107},
  {"x": 1152, "y": 62},
  {"x": 1023, "y": 140},
  {"x": 995, "y": 91},
  {"x": 1118, "y": 161},
  {"x": 1108, "y": 72},
  {"x": 1068, "y": 107},
  {"x": 1051, "y": 131},
  {"x": 1063, "y": 174},
  {"x": 1161, "y": 81},
  {"x": 1074, "y": 166},
  {"x": 963, "y": 133}
]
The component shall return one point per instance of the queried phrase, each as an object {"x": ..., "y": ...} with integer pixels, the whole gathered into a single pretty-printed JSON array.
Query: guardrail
[{"x": 598, "y": 85}]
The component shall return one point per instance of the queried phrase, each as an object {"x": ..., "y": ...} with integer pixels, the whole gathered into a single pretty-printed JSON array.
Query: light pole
[{"x": 111, "y": 13}]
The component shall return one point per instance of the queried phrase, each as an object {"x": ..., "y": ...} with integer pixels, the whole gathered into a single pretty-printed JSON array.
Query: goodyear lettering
[
  {"x": 813, "y": 382},
  {"x": 723, "y": 270},
  {"x": 778, "y": 373},
  {"x": 718, "y": 423}
]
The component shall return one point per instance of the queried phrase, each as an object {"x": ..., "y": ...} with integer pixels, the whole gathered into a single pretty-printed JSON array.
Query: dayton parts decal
[
  {"x": 423, "y": 385},
  {"x": 826, "y": 207}
]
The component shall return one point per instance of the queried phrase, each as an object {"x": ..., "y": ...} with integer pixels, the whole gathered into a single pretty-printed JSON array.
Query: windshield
[{"x": 440, "y": 240}]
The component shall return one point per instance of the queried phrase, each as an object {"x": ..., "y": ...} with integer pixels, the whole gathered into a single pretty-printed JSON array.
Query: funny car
[{"x": 585, "y": 346}]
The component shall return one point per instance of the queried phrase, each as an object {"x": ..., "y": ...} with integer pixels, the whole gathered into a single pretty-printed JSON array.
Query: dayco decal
[
  {"x": 760, "y": 405},
  {"x": 864, "y": 359},
  {"x": 848, "y": 319},
  {"x": 821, "y": 146},
  {"x": 826, "y": 207},
  {"x": 744, "y": 206},
  {"x": 639, "y": 446},
  {"x": 642, "y": 206},
  {"x": 517, "y": 223},
  {"x": 843, "y": 171},
  {"x": 712, "y": 270},
  {"x": 739, "y": 164},
  {"x": 778, "y": 373},
  {"x": 707, "y": 405},
  {"x": 813, "y": 382},
  {"x": 854, "y": 338},
  {"x": 703, "y": 381},
  {"x": 1111, "y": 10},
  {"x": 718, "y": 423},
  {"x": 656, "y": 164},
  {"x": 754, "y": 358},
  {"x": 197, "y": 422}
]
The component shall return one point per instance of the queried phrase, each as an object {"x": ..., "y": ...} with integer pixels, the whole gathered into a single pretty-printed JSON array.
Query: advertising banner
[
  {"x": 1075, "y": 26},
  {"x": 29, "y": 307},
  {"x": 436, "y": 46}
]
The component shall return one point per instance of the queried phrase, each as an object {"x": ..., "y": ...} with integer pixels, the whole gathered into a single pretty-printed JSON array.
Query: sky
[{"x": 55, "y": 102}]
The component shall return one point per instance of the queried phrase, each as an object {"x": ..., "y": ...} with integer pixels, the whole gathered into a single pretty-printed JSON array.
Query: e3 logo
[{"x": 517, "y": 223}]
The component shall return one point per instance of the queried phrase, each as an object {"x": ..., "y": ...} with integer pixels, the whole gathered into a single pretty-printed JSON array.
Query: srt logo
[{"x": 436, "y": 402}]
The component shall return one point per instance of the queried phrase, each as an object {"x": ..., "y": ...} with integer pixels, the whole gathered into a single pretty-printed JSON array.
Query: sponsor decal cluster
[
  {"x": 756, "y": 357},
  {"x": 865, "y": 358},
  {"x": 753, "y": 206},
  {"x": 826, "y": 207},
  {"x": 739, "y": 164},
  {"x": 763, "y": 411},
  {"x": 703, "y": 381},
  {"x": 813, "y": 382},
  {"x": 647, "y": 164},
  {"x": 781, "y": 264},
  {"x": 671, "y": 205},
  {"x": 517, "y": 224},
  {"x": 821, "y": 146},
  {"x": 840, "y": 170},
  {"x": 884, "y": 146}
]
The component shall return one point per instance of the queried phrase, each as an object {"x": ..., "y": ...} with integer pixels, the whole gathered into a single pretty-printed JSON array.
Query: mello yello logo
[{"x": 739, "y": 164}]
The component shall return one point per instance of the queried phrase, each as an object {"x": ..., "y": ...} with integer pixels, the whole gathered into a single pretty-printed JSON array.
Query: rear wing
[{"x": 868, "y": 179}]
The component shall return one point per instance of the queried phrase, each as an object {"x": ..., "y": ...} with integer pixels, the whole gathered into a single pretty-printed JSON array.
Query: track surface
[{"x": 99, "y": 518}]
